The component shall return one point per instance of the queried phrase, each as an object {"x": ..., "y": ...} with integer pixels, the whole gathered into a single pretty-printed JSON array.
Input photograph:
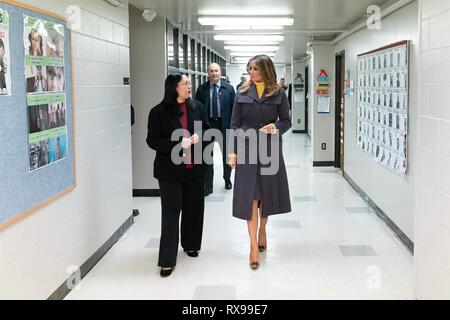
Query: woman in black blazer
[{"x": 181, "y": 183}]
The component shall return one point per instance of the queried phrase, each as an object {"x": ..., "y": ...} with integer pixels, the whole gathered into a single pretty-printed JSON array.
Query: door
[{"x": 340, "y": 110}]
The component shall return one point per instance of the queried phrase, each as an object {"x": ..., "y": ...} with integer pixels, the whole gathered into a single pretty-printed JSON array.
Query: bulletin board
[
  {"x": 383, "y": 104},
  {"x": 37, "y": 158}
]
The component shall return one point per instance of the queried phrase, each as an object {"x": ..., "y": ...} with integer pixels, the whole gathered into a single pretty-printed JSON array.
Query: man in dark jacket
[{"x": 218, "y": 98}]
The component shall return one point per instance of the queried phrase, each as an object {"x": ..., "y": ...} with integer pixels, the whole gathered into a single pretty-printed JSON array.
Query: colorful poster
[
  {"x": 323, "y": 84},
  {"x": 46, "y": 100},
  {"x": 47, "y": 129},
  {"x": 5, "y": 75},
  {"x": 44, "y": 55}
]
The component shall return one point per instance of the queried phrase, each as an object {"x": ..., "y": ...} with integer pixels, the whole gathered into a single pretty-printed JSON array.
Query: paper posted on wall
[
  {"x": 323, "y": 104},
  {"x": 5, "y": 74}
]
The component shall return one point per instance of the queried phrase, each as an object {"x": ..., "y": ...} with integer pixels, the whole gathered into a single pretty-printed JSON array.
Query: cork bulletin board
[
  {"x": 37, "y": 158},
  {"x": 383, "y": 104}
]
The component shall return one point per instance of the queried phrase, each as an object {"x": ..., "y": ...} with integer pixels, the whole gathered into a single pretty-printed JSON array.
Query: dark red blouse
[{"x": 184, "y": 124}]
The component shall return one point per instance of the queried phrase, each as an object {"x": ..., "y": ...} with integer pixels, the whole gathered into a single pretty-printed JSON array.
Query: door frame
[
  {"x": 306, "y": 99},
  {"x": 340, "y": 93}
]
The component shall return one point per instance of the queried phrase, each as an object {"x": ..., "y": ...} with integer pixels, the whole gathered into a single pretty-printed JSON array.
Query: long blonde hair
[{"x": 268, "y": 73}]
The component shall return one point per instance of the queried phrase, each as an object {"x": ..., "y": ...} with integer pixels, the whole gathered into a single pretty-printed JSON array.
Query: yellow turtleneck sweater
[{"x": 260, "y": 86}]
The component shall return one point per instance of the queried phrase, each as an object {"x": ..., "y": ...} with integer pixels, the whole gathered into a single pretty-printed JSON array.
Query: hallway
[{"x": 332, "y": 246}]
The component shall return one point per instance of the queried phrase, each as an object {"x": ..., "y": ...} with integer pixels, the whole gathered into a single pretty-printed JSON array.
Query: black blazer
[{"x": 161, "y": 124}]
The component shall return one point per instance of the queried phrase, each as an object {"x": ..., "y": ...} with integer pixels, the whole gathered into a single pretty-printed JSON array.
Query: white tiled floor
[{"x": 304, "y": 258}]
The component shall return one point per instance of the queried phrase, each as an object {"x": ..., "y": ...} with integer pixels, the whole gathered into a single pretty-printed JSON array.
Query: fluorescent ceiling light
[
  {"x": 281, "y": 10},
  {"x": 243, "y": 60},
  {"x": 252, "y": 48},
  {"x": 242, "y": 21},
  {"x": 247, "y": 27},
  {"x": 116, "y": 3},
  {"x": 248, "y": 37},
  {"x": 251, "y": 54},
  {"x": 257, "y": 42}
]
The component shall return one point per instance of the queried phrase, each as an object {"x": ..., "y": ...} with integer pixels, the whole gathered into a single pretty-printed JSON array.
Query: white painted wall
[
  {"x": 432, "y": 256},
  {"x": 393, "y": 193},
  {"x": 298, "y": 108},
  {"x": 323, "y": 124},
  {"x": 148, "y": 73},
  {"x": 36, "y": 252},
  {"x": 310, "y": 94},
  {"x": 235, "y": 72}
]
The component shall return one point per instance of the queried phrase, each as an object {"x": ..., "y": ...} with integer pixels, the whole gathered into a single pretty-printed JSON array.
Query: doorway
[{"x": 340, "y": 110}]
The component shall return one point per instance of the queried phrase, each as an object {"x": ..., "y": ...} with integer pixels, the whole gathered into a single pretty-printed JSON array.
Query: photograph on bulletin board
[
  {"x": 5, "y": 75},
  {"x": 44, "y": 55},
  {"x": 46, "y": 100},
  {"x": 48, "y": 130}
]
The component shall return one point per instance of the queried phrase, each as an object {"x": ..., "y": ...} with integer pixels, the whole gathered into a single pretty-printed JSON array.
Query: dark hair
[
  {"x": 51, "y": 72},
  {"x": 171, "y": 94}
]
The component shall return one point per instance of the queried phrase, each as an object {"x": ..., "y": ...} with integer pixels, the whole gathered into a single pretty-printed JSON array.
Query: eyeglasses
[{"x": 186, "y": 84}]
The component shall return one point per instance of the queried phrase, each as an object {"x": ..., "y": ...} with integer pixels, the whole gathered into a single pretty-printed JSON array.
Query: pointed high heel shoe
[
  {"x": 263, "y": 248},
  {"x": 254, "y": 266}
]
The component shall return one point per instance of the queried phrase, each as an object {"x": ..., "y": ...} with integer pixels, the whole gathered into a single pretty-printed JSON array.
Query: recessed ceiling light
[
  {"x": 242, "y": 21},
  {"x": 249, "y": 37}
]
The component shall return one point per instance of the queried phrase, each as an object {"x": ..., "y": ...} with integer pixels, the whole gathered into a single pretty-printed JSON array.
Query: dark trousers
[
  {"x": 186, "y": 197},
  {"x": 209, "y": 176},
  {"x": 2, "y": 80}
]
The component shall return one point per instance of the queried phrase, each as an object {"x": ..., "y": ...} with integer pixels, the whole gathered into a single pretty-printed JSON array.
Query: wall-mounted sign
[{"x": 323, "y": 84}]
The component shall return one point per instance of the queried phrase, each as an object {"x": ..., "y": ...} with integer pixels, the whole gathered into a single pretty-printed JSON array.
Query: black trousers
[
  {"x": 209, "y": 176},
  {"x": 2, "y": 80},
  {"x": 186, "y": 197}
]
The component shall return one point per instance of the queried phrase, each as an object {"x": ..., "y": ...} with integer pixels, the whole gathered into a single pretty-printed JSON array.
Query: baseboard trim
[
  {"x": 323, "y": 164},
  {"x": 299, "y": 131},
  {"x": 382, "y": 215},
  {"x": 149, "y": 193},
  {"x": 63, "y": 289}
]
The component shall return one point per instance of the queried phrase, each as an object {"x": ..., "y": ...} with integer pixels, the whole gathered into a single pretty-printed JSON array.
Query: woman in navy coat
[{"x": 261, "y": 109}]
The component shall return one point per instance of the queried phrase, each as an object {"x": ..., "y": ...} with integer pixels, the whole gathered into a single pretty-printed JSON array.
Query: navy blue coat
[
  {"x": 226, "y": 96},
  {"x": 251, "y": 114}
]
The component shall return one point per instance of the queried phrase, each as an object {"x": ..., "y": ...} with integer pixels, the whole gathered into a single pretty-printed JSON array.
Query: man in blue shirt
[{"x": 218, "y": 98}]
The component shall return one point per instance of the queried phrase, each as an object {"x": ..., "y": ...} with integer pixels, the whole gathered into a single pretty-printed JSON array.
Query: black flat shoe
[
  {"x": 166, "y": 273},
  {"x": 228, "y": 185},
  {"x": 192, "y": 254},
  {"x": 262, "y": 248}
]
